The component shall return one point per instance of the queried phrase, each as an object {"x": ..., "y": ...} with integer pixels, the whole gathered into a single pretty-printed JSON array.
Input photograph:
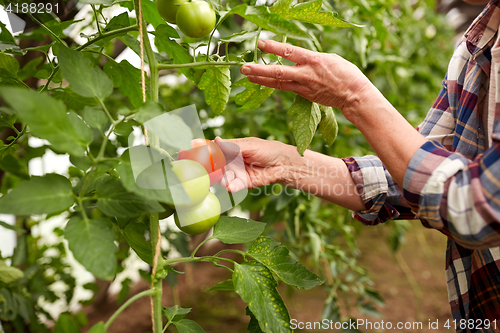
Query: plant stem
[
  {"x": 256, "y": 50},
  {"x": 156, "y": 282},
  {"x": 200, "y": 245},
  {"x": 96, "y": 20},
  {"x": 126, "y": 304},
  {"x": 52, "y": 33},
  {"x": 201, "y": 64},
  {"x": 111, "y": 33}
]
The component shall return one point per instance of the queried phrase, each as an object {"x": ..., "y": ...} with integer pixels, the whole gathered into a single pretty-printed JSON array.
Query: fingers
[
  {"x": 273, "y": 71},
  {"x": 287, "y": 51},
  {"x": 286, "y": 85}
]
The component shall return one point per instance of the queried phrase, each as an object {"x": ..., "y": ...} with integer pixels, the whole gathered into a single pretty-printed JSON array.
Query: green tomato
[
  {"x": 196, "y": 19},
  {"x": 200, "y": 218},
  {"x": 194, "y": 179},
  {"x": 168, "y": 8},
  {"x": 168, "y": 211}
]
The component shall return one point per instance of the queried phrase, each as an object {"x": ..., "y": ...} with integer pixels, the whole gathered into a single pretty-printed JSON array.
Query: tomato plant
[
  {"x": 208, "y": 154},
  {"x": 196, "y": 18},
  {"x": 50, "y": 78}
]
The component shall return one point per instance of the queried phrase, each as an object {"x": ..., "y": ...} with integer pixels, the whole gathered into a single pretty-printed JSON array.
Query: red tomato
[{"x": 208, "y": 154}]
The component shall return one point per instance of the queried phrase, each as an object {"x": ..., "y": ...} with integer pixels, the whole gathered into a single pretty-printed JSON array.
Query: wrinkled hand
[
  {"x": 253, "y": 162},
  {"x": 327, "y": 79}
]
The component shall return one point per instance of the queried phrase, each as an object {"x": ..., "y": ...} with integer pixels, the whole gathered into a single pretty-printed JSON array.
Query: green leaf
[
  {"x": 309, "y": 12},
  {"x": 30, "y": 69},
  {"x": 216, "y": 84},
  {"x": 135, "y": 235},
  {"x": 175, "y": 313},
  {"x": 149, "y": 111},
  {"x": 171, "y": 130},
  {"x": 253, "y": 95},
  {"x": 83, "y": 78},
  {"x": 12, "y": 227},
  {"x": 328, "y": 125},
  {"x": 127, "y": 78},
  {"x": 5, "y": 35},
  {"x": 240, "y": 37},
  {"x": 94, "y": 117},
  {"x": 93, "y": 245},
  {"x": 115, "y": 201},
  {"x": 42, "y": 124},
  {"x": 307, "y": 117},
  {"x": 98, "y": 328},
  {"x": 150, "y": 13},
  {"x": 97, "y": 2},
  {"x": 39, "y": 195},
  {"x": 2, "y": 299},
  {"x": 188, "y": 326},
  {"x": 66, "y": 324},
  {"x": 9, "y": 64},
  {"x": 82, "y": 130},
  {"x": 227, "y": 285},
  {"x": 235, "y": 230},
  {"x": 9, "y": 274},
  {"x": 253, "y": 325},
  {"x": 126, "y": 173},
  {"x": 257, "y": 287},
  {"x": 117, "y": 22},
  {"x": 275, "y": 257},
  {"x": 262, "y": 17}
]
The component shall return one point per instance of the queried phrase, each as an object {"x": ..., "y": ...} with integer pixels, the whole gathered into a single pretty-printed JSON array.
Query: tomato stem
[
  {"x": 126, "y": 304},
  {"x": 201, "y": 64}
]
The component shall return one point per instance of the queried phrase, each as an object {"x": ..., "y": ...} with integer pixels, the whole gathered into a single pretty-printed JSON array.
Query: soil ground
[{"x": 421, "y": 256}]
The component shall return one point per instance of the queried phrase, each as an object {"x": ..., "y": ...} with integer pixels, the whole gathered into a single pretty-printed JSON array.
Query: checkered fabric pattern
[{"x": 452, "y": 183}]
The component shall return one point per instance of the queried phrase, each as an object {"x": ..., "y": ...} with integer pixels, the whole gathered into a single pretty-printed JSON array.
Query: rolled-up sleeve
[
  {"x": 458, "y": 196},
  {"x": 383, "y": 198}
]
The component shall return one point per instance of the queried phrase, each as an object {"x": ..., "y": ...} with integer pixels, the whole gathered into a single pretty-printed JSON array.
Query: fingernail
[
  {"x": 245, "y": 70},
  {"x": 261, "y": 44}
]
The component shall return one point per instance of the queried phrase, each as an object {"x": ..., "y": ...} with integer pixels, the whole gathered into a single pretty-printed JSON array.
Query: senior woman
[{"x": 446, "y": 173}]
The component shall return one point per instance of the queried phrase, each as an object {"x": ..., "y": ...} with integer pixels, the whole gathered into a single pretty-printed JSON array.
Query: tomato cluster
[
  {"x": 197, "y": 170},
  {"x": 195, "y": 19}
]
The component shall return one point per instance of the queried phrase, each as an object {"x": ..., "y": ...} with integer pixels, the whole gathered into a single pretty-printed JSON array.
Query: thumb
[{"x": 230, "y": 147}]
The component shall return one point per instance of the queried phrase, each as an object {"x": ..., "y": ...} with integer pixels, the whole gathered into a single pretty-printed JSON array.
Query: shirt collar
[{"x": 484, "y": 27}]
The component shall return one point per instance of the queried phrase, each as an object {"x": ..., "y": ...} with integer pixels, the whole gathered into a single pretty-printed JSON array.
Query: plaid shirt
[{"x": 452, "y": 183}]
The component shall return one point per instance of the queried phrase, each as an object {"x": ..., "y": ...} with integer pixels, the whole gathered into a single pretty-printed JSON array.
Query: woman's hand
[
  {"x": 253, "y": 162},
  {"x": 327, "y": 79}
]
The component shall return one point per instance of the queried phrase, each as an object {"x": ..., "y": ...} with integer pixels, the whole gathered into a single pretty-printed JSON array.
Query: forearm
[
  {"x": 392, "y": 137},
  {"x": 323, "y": 176}
]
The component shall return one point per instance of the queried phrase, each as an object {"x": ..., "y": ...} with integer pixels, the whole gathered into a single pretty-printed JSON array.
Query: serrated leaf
[
  {"x": 328, "y": 125},
  {"x": 253, "y": 95},
  {"x": 82, "y": 130},
  {"x": 9, "y": 274},
  {"x": 257, "y": 287},
  {"x": 115, "y": 201},
  {"x": 117, "y": 22},
  {"x": 275, "y": 257},
  {"x": 149, "y": 111},
  {"x": 135, "y": 235},
  {"x": 262, "y": 17},
  {"x": 150, "y": 13},
  {"x": 188, "y": 326},
  {"x": 93, "y": 245},
  {"x": 216, "y": 85},
  {"x": 309, "y": 12},
  {"x": 171, "y": 130},
  {"x": 227, "y": 285},
  {"x": 307, "y": 117},
  {"x": 240, "y": 37},
  {"x": 39, "y": 195},
  {"x": 27, "y": 104},
  {"x": 83, "y": 78},
  {"x": 95, "y": 118},
  {"x": 235, "y": 230},
  {"x": 127, "y": 78},
  {"x": 175, "y": 313},
  {"x": 9, "y": 64}
]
